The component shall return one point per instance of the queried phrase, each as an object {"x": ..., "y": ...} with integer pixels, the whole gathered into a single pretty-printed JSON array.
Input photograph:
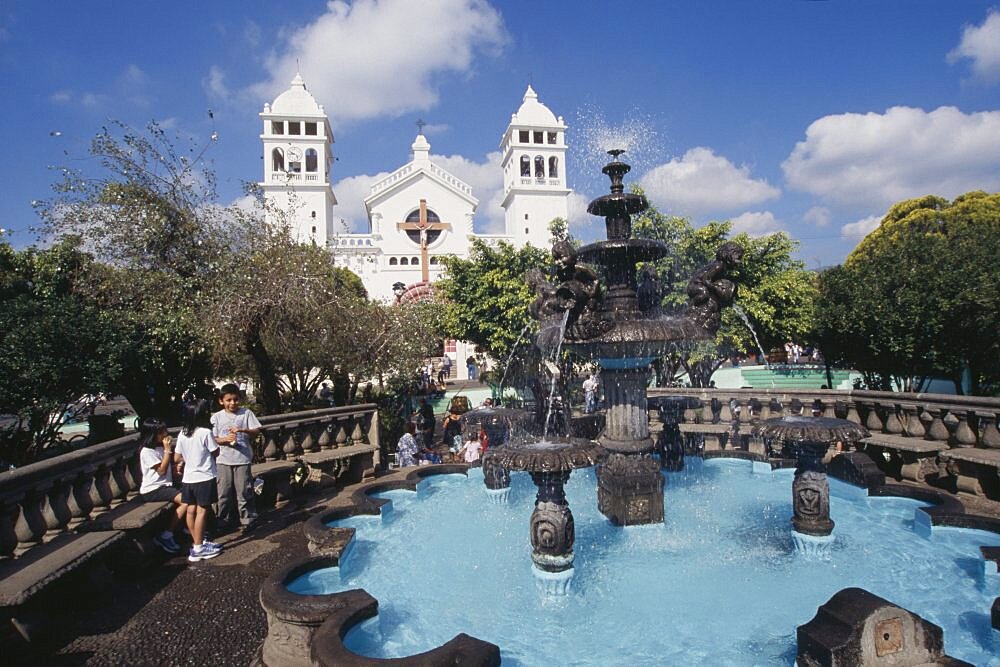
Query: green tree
[
  {"x": 486, "y": 296},
  {"x": 918, "y": 298},
  {"x": 776, "y": 292},
  {"x": 55, "y": 347}
]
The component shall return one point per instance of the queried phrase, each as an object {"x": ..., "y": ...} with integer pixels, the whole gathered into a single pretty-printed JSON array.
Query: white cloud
[
  {"x": 756, "y": 223},
  {"x": 818, "y": 215},
  {"x": 61, "y": 97},
  {"x": 368, "y": 59},
  {"x": 702, "y": 182},
  {"x": 350, "y": 193},
  {"x": 215, "y": 84},
  {"x": 981, "y": 45},
  {"x": 861, "y": 228},
  {"x": 871, "y": 160}
]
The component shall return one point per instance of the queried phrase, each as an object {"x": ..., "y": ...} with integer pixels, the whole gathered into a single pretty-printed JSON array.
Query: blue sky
[{"x": 812, "y": 117}]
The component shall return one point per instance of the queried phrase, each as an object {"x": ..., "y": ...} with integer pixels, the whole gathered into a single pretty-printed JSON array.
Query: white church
[{"x": 420, "y": 212}]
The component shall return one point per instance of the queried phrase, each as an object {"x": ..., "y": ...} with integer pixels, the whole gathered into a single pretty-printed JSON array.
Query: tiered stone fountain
[{"x": 620, "y": 325}]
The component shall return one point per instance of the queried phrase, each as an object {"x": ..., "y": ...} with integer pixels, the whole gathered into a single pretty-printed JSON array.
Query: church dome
[
  {"x": 296, "y": 101},
  {"x": 533, "y": 112}
]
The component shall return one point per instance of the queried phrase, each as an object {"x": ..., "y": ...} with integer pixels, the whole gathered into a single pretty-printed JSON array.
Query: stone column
[
  {"x": 552, "y": 529},
  {"x": 630, "y": 485},
  {"x": 496, "y": 478}
]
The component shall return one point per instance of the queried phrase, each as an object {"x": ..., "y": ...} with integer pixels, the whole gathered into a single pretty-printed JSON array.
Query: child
[
  {"x": 471, "y": 451},
  {"x": 197, "y": 450},
  {"x": 234, "y": 429},
  {"x": 155, "y": 458},
  {"x": 451, "y": 429}
]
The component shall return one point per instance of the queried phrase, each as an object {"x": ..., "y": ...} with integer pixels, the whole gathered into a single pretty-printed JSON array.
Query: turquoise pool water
[{"x": 718, "y": 583}]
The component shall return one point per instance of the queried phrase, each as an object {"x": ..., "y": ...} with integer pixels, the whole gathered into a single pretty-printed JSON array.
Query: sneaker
[
  {"x": 204, "y": 552},
  {"x": 213, "y": 545},
  {"x": 168, "y": 544}
]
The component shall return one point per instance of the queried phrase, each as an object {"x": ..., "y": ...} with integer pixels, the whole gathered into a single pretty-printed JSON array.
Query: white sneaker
[
  {"x": 168, "y": 544},
  {"x": 204, "y": 552}
]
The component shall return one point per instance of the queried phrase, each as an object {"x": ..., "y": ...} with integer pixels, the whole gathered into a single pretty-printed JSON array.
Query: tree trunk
[
  {"x": 829, "y": 375},
  {"x": 269, "y": 395}
]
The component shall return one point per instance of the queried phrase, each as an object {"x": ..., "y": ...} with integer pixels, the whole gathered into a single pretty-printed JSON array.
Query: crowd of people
[
  {"x": 418, "y": 444},
  {"x": 208, "y": 464}
]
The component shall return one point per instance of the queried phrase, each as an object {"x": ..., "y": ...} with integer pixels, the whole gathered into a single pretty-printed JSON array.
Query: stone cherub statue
[
  {"x": 709, "y": 292},
  {"x": 577, "y": 287}
]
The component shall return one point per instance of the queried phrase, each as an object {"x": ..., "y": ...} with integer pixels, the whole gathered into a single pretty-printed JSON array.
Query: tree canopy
[{"x": 918, "y": 296}]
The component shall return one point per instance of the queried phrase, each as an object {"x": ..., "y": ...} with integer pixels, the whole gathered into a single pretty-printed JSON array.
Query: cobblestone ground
[{"x": 171, "y": 612}]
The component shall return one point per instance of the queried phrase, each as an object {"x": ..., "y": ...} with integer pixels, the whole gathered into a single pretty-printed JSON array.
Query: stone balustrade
[
  {"x": 41, "y": 501},
  {"x": 912, "y": 435}
]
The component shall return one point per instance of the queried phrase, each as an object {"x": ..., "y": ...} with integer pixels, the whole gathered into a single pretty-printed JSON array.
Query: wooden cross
[{"x": 423, "y": 226}]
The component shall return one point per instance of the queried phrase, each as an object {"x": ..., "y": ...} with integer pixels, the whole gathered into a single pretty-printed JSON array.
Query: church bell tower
[
  {"x": 534, "y": 172},
  {"x": 298, "y": 156}
]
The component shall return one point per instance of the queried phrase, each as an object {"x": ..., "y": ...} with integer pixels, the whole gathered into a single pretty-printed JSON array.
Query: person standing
[
  {"x": 235, "y": 428},
  {"x": 590, "y": 394},
  {"x": 470, "y": 364},
  {"x": 196, "y": 452},
  {"x": 445, "y": 371}
]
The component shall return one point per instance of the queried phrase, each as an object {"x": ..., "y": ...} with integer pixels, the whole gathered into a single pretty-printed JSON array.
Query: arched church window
[
  {"x": 539, "y": 166},
  {"x": 415, "y": 261},
  {"x": 277, "y": 160},
  {"x": 553, "y": 167},
  {"x": 405, "y": 261},
  {"x": 312, "y": 159},
  {"x": 393, "y": 261},
  {"x": 525, "y": 165},
  {"x": 434, "y": 260}
]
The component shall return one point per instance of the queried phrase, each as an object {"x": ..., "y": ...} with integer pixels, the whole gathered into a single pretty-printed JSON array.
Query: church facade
[{"x": 420, "y": 212}]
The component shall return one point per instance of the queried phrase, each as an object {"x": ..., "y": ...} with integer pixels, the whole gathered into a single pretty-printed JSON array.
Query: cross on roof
[
  {"x": 420, "y": 125},
  {"x": 423, "y": 226}
]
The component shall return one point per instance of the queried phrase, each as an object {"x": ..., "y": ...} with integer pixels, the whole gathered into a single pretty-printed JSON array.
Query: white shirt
[
  {"x": 241, "y": 453},
  {"x": 149, "y": 460},
  {"x": 196, "y": 449},
  {"x": 472, "y": 451}
]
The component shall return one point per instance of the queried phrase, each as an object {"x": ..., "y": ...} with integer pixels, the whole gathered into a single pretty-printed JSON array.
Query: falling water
[
  {"x": 510, "y": 358},
  {"x": 746, "y": 320},
  {"x": 552, "y": 389}
]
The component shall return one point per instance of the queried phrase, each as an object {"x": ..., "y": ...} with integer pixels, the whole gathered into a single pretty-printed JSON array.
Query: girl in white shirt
[{"x": 156, "y": 460}]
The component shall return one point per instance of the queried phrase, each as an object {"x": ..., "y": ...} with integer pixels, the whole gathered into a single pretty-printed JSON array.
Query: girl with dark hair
[
  {"x": 155, "y": 458},
  {"x": 197, "y": 450}
]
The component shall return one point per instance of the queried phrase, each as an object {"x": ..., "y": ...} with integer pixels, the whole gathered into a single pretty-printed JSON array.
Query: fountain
[
  {"x": 621, "y": 327},
  {"x": 499, "y": 425},
  {"x": 808, "y": 439},
  {"x": 550, "y": 463}
]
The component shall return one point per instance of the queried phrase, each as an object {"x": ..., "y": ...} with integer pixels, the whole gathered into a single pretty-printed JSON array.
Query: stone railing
[
  {"x": 912, "y": 435},
  {"x": 40, "y": 501}
]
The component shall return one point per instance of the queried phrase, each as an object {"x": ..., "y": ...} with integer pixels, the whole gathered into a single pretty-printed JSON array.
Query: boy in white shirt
[
  {"x": 235, "y": 429},
  {"x": 197, "y": 450}
]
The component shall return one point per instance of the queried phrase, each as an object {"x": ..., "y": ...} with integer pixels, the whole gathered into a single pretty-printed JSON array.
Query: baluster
[
  {"x": 341, "y": 438},
  {"x": 951, "y": 423},
  {"x": 80, "y": 500},
  {"x": 964, "y": 435},
  {"x": 726, "y": 413},
  {"x": 271, "y": 437},
  {"x": 912, "y": 425},
  {"x": 56, "y": 510},
  {"x": 357, "y": 436},
  {"x": 101, "y": 493},
  {"x": 937, "y": 431},
  {"x": 290, "y": 448},
  {"x": 893, "y": 425},
  {"x": 325, "y": 440},
  {"x": 8, "y": 536},
  {"x": 30, "y": 525},
  {"x": 308, "y": 441},
  {"x": 133, "y": 475},
  {"x": 873, "y": 422},
  {"x": 708, "y": 412},
  {"x": 852, "y": 412},
  {"x": 690, "y": 415},
  {"x": 118, "y": 483},
  {"x": 988, "y": 432}
]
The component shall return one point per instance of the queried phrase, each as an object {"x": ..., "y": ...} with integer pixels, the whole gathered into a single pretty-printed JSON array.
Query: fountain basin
[{"x": 723, "y": 569}]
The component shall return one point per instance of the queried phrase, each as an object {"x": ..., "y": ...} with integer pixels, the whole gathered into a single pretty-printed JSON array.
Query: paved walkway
[{"x": 173, "y": 612}]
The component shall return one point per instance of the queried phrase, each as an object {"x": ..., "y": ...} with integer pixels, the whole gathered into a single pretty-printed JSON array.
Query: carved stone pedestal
[
  {"x": 630, "y": 489},
  {"x": 496, "y": 478},
  {"x": 552, "y": 529},
  {"x": 811, "y": 492}
]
